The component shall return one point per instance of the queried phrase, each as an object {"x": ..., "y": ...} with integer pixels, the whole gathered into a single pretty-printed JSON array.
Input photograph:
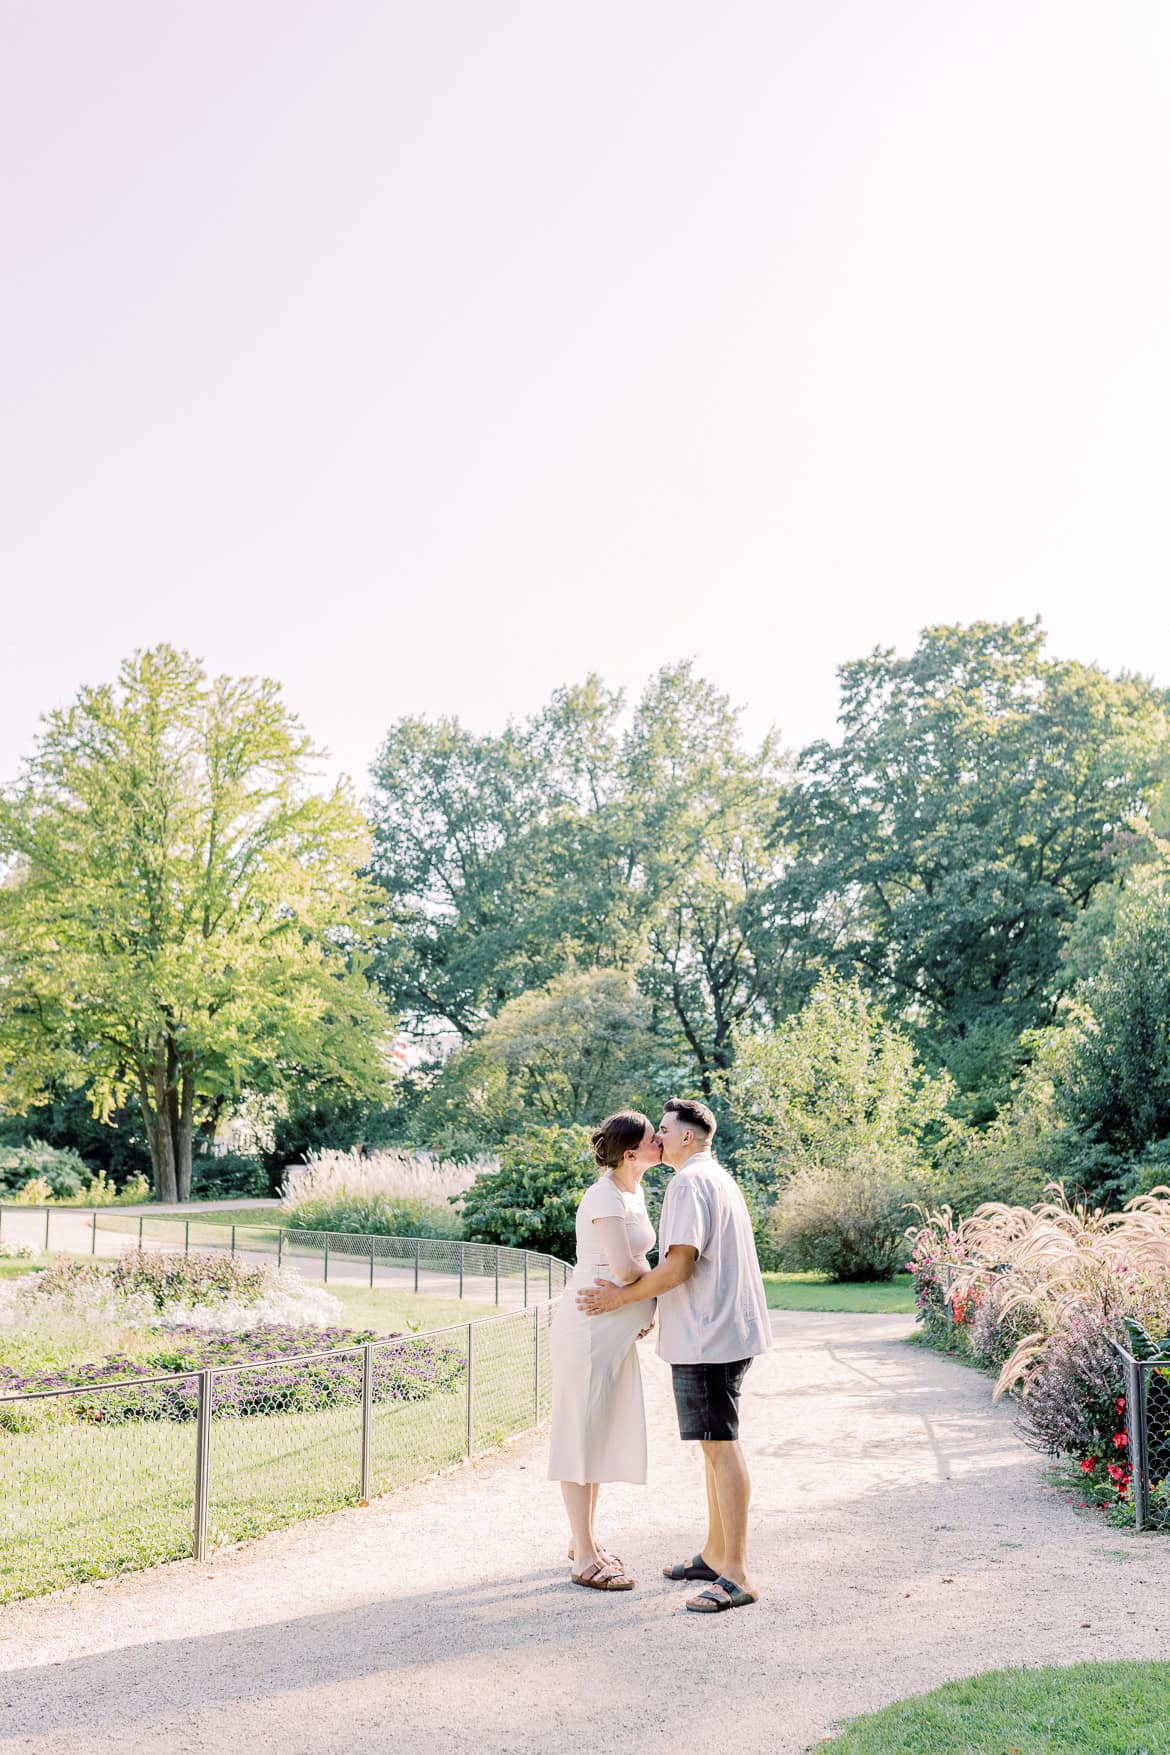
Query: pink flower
[
  {"x": 1088, "y": 1465},
  {"x": 1120, "y": 1440}
]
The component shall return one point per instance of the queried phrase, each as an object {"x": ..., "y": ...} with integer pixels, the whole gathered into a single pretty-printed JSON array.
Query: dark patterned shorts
[{"x": 707, "y": 1399}]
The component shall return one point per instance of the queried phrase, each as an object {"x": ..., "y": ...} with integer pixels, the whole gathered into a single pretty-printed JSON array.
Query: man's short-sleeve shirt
[{"x": 720, "y": 1313}]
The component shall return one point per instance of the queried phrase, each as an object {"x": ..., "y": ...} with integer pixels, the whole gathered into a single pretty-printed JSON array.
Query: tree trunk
[
  {"x": 183, "y": 1144},
  {"x": 165, "y": 1177}
]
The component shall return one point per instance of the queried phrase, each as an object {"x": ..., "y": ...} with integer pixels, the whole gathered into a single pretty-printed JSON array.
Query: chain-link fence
[
  {"x": 487, "y": 1272},
  {"x": 1147, "y": 1424},
  {"x": 106, "y": 1478}
]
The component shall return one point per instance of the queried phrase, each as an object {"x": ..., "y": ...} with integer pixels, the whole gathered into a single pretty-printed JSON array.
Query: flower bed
[
  {"x": 411, "y": 1370},
  {"x": 1040, "y": 1294}
]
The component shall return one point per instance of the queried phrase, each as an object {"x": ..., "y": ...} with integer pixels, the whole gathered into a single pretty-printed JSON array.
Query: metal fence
[
  {"x": 110, "y": 1477},
  {"x": 431, "y": 1264},
  {"x": 1147, "y": 1424}
]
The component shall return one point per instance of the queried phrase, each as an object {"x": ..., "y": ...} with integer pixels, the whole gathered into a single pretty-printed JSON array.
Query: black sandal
[
  {"x": 690, "y": 1570},
  {"x": 733, "y": 1597}
]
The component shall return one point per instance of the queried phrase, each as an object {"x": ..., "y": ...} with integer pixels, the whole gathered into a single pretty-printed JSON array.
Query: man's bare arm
[{"x": 678, "y": 1266}]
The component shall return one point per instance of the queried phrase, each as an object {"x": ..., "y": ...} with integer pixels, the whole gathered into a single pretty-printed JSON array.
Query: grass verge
[
  {"x": 1086, "y": 1709},
  {"x": 83, "y": 1500},
  {"x": 816, "y": 1292}
]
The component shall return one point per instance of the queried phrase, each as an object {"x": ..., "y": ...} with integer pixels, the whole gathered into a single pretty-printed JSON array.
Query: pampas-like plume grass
[
  {"x": 1062, "y": 1261},
  {"x": 393, "y": 1176}
]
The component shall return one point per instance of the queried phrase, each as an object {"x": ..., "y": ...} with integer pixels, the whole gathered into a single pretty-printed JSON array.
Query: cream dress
[{"x": 598, "y": 1416}]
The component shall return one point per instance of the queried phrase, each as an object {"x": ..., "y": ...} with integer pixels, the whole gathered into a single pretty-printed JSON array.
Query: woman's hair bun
[{"x": 618, "y": 1134}]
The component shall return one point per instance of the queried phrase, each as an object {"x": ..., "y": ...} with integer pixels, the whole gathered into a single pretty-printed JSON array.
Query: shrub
[
  {"x": 392, "y": 1194},
  {"x": 531, "y": 1201},
  {"x": 230, "y": 1176},
  {"x": 847, "y": 1221},
  {"x": 59, "y": 1172}
]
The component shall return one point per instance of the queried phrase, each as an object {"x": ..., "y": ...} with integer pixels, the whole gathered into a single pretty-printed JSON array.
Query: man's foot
[
  {"x": 691, "y": 1569},
  {"x": 723, "y": 1594}
]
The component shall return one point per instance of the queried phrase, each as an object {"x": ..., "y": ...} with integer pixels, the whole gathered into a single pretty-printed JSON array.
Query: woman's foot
[
  {"x": 603, "y": 1554},
  {"x": 600, "y": 1577}
]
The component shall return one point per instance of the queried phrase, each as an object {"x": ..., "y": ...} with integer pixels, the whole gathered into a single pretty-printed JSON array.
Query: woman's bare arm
[{"x": 614, "y": 1239}]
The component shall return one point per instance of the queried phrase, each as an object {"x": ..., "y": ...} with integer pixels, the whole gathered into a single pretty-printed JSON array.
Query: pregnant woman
[{"x": 598, "y": 1418}]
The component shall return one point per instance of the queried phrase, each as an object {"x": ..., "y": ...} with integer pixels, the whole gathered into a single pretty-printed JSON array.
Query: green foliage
[
  {"x": 229, "y": 1176},
  {"x": 64, "y": 1173},
  {"x": 846, "y": 1220},
  {"x": 967, "y": 815},
  {"x": 569, "y": 1052},
  {"x": 835, "y": 1084},
  {"x": 566, "y": 845},
  {"x": 115, "y": 1145},
  {"x": 1115, "y": 1088},
  {"x": 531, "y": 1201},
  {"x": 183, "y": 917},
  {"x": 379, "y": 1214}
]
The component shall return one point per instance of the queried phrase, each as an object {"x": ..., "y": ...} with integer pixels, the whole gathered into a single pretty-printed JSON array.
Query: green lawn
[
  {"x": 816, "y": 1292},
  {"x": 1087, "y": 1709}
]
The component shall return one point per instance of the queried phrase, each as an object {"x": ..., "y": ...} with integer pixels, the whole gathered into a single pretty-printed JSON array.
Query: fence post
[
  {"x": 461, "y": 1270},
  {"x": 526, "y": 1279},
  {"x": 1135, "y": 1426},
  {"x": 202, "y": 1462},
  {"x": 48, "y": 1215},
  {"x": 550, "y": 1279},
  {"x": 186, "y": 1236},
  {"x": 233, "y": 1240},
  {"x": 141, "y": 1216},
  {"x": 497, "y": 1273},
  {"x": 470, "y": 1387},
  {"x": 371, "y": 1261},
  {"x": 536, "y": 1366},
  {"x": 280, "y": 1246},
  {"x": 416, "y": 1250},
  {"x": 367, "y": 1412},
  {"x": 93, "y": 1235},
  {"x": 326, "y": 1258},
  {"x": 1, "y": 1215}
]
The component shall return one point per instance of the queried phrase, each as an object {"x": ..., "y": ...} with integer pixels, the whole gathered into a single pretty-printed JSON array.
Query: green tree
[
  {"x": 835, "y": 1085},
  {"x": 182, "y": 918},
  {"x": 1115, "y": 1086},
  {"x": 568, "y": 1052},
  {"x": 965, "y": 818}
]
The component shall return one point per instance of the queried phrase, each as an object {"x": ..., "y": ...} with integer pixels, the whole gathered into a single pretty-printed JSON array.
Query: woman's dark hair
[
  {"x": 617, "y": 1135},
  {"x": 693, "y": 1114}
]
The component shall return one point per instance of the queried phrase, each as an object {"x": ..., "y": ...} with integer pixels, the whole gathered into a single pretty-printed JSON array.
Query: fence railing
[
  {"x": 1147, "y": 1426},
  {"x": 521, "y": 1276},
  {"x": 105, "y": 1478}
]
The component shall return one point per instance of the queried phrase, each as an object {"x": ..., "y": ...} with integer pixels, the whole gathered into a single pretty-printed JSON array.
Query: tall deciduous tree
[
  {"x": 962, "y": 822},
  {"x": 181, "y": 916}
]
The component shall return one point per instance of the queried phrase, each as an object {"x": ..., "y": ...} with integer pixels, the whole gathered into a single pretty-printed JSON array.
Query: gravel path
[{"x": 903, "y": 1536}]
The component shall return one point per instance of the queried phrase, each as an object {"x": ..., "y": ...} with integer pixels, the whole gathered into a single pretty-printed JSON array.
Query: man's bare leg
[
  {"x": 712, "y": 1551},
  {"x": 727, "y": 1471}
]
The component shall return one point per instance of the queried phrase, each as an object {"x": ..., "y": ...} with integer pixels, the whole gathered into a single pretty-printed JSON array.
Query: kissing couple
[{"x": 712, "y": 1322}]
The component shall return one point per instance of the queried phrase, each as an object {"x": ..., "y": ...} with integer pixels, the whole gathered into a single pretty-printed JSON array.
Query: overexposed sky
[{"x": 428, "y": 356}]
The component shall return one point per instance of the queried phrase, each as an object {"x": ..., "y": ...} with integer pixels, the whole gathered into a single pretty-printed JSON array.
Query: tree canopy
[{"x": 181, "y": 917}]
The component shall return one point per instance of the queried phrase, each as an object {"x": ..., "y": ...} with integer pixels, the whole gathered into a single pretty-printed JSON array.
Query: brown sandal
[
  {"x": 602, "y": 1577},
  {"x": 610, "y": 1559}
]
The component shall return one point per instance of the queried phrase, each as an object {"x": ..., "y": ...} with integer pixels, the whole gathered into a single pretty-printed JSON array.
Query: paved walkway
[{"x": 903, "y": 1536}]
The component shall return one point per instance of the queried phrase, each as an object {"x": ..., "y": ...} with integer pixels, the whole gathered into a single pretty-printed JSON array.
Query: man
[{"x": 712, "y": 1322}]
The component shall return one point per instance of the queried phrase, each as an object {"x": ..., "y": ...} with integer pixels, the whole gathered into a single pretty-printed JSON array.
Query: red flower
[
  {"x": 1088, "y": 1465},
  {"x": 1120, "y": 1404},
  {"x": 1120, "y": 1440},
  {"x": 1117, "y": 1473}
]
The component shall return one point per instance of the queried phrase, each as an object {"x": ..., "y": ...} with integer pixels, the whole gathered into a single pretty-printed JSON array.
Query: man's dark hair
[{"x": 692, "y": 1114}]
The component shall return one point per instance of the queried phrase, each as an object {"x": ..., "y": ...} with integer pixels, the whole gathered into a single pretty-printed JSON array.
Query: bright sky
[{"x": 428, "y": 356}]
